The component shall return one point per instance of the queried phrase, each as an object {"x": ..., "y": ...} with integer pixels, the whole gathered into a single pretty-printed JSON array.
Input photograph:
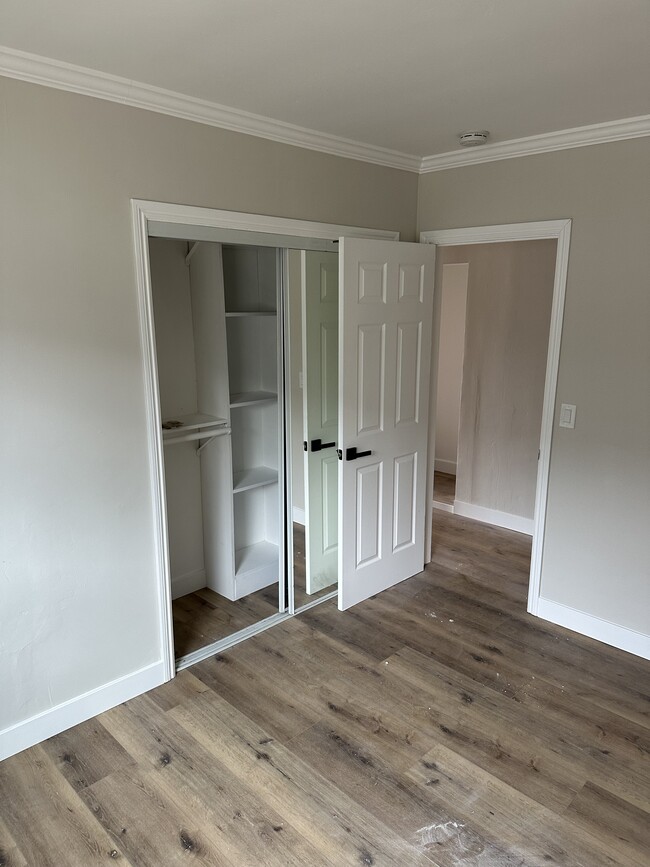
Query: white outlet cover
[{"x": 567, "y": 415}]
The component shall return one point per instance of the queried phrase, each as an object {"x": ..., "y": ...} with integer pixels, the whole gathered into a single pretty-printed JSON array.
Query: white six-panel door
[
  {"x": 320, "y": 318},
  {"x": 385, "y": 320}
]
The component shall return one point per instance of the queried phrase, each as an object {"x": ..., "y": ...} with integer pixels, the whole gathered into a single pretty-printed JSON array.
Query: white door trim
[
  {"x": 561, "y": 230},
  {"x": 144, "y": 212},
  {"x": 188, "y": 215}
]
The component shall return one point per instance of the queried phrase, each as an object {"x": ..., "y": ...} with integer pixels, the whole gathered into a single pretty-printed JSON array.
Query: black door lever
[
  {"x": 318, "y": 446},
  {"x": 352, "y": 454}
]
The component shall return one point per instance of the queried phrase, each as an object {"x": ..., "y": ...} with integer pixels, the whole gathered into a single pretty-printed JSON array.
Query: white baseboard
[
  {"x": 445, "y": 466},
  {"x": 595, "y": 627},
  {"x": 298, "y": 516},
  {"x": 493, "y": 516},
  {"x": 76, "y": 710},
  {"x": 443, "y": 507},
  {"x": 188, "y": 583}
]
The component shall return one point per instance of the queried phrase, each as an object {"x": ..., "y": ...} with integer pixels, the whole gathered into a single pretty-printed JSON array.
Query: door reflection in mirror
[{"x": 314, "y": 314}]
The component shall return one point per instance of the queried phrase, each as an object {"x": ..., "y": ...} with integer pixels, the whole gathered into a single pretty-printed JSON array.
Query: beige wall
[
  {"x": 596, "y": 555},
  {"x": 78, "y": 590},
  {"x": 451, "y": 282},
  {"x": 509, "y": 296}
]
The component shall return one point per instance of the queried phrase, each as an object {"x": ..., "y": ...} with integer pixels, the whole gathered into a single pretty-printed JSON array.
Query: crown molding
[
  {"x": 90, "y": 82},
  {"x": 101, "y": 85},
  {"x": 599, "y": 133}
]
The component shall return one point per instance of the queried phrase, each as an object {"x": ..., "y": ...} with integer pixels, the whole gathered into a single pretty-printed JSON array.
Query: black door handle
[
  {"x": 318, "y": 446},
  {"x": 352, "y": 454}
]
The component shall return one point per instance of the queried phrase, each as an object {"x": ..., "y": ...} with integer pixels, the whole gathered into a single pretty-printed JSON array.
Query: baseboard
[
  {"x": 595, "y": 627},
  {"x": 298, "y": 516},
  {"x": 70, "y": 713},
  {"x": 443, "y": 507},
  {"x": 445, "y": 466},
  {"x": 493, "y": 516},
  {"x": 188, "y": 583}
]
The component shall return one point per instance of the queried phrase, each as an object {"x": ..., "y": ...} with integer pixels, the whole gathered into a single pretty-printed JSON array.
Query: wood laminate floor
[
  {"x": 203, "y": 617},
  {"x": 444, "y": 488},
  {"x": 436, "y": 723},
  {"x": 301, "y": 597}
]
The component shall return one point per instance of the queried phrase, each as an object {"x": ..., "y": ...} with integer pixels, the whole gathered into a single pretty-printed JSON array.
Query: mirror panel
[{"x": 313, "y": 334}]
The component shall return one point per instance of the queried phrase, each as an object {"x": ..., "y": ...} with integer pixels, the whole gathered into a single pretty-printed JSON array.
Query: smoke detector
[{"x": 474, "y": 137}]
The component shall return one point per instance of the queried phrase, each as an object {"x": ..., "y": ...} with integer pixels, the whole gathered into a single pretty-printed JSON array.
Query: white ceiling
[{"x": 401, "y": 74}]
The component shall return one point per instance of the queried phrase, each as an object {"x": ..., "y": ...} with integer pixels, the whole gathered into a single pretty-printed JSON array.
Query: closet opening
[
  {"x": 288, "y": 421},
  {"x": 241, "y": 389}
]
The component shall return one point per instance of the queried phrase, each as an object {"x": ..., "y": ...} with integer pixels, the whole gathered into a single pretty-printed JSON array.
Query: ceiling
[{"x": 407, "y": 75}]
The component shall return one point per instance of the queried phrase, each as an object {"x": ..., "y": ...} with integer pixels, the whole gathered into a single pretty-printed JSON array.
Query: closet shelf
[
  {"x": 240, "y": 313},
  {"x": 261, "y": 555},
  {"x": 254, "y": 477},
  {"x": 247, "y": 398},
  {"x": 192, "y": 423}
]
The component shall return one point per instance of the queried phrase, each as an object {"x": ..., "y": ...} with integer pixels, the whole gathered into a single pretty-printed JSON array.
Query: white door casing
[
  {"x": 385, "y": 323},
  {"x": 162, "y": 219},
  {"x": 560, "y": 229},
  {"x": 320, "y": 322}
]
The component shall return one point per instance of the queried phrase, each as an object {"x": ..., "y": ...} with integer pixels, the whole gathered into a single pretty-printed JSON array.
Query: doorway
[
  {"x": 557, "y": 232},
  {"x": 385, "y": 319},
  {"x": 451, "y": 285},
  {"x": 494, "y": 327},
  {"x": 235, "y": 364}
]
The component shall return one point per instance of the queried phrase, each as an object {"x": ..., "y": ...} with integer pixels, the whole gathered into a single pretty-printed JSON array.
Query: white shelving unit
[
  {"x": 230, "y": 314},
  {"x": 250, "y": 278},
  {"x": 195, "y": 426},
  {"x": 217, "y": 339},
  {"x": 255, "y": 477},
  {"x": 248, "y": 398}
]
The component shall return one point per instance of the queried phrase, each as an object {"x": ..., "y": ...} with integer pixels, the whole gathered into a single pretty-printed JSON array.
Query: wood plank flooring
[
  {"x": 436, "y": 723},
  {"x": 444, "y": 488},
  {"x": 203, "y": 617}
]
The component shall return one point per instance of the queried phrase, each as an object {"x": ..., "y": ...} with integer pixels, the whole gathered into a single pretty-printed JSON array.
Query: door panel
[
  {"x": 409, "y": 341},
  {"x": 404, "y": 507},
  {"x": 369, "y": 490},
  {"x": 330, "y": 524},
  {"x": 320, "y": 300},
  {"x": 385, "y": 319},
  {"x": 329, "y": 380},
  {"x": 371, "y": 372}
]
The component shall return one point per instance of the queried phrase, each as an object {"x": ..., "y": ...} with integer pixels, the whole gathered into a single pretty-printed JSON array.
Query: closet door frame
[{"x": 161, "y": 219}]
